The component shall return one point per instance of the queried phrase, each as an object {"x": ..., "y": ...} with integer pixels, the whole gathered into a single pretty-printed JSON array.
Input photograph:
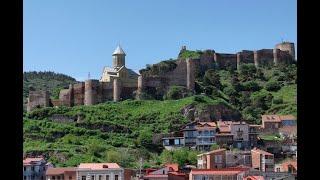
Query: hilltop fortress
[{"x": 119, "y": 83}]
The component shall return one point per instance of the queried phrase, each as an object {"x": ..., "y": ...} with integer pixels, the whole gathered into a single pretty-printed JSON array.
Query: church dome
[{"x": 118, "y": 50}]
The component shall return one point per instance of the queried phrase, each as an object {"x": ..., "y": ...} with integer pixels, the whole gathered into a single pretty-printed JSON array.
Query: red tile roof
[
  {"x": 270, "y": 118},
  {"x": 58, "y": 171},
  {"x": 287, "y": 117},
  {"x": 175, "y": 167},
  {"x": 254, "y": 178},
  {"x": 261, "y": 151},
  {"x": 98, "y": 166},
  {"x": 29, "y": 161}
]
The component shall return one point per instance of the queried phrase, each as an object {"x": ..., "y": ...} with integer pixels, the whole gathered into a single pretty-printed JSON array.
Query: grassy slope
[{"x": 75, "y": 144}]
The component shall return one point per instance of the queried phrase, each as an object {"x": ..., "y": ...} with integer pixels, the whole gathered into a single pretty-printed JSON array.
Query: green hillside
[
  {"x": 125, "y": 126},
  {"x": 125, "y": 131},
  {"x": 50, "y": 81}
]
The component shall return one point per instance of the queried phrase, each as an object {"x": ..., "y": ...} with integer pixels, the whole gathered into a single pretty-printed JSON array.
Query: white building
[{"x": 99, "y": 171}]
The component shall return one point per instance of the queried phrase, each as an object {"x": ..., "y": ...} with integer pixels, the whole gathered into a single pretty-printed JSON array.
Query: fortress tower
[
  {"x": 118, "y": 57},
  {"x": 287, "y": 46}
]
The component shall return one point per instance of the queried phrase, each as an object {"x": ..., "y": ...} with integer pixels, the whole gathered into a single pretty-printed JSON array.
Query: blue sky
[{"x": 75, "y": 37}]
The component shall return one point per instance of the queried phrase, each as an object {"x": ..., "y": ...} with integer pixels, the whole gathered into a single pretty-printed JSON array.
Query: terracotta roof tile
[
  {"x": 58, "y": 171},
  {"x": 98, "y": 166}
]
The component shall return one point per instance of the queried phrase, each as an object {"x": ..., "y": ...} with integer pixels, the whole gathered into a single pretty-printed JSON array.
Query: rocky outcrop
[{"x": 210, "y": 113}]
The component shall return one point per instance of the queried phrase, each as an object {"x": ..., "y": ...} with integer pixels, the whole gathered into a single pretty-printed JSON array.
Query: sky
[{"x": 77, "y": 37}]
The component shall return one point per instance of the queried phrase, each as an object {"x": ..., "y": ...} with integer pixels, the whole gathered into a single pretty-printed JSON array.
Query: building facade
[
  {"x": 262, "y": 160},
  {"x": 35, "y": 168},
  {"x": 99, "y": 171},
  {"x": 65, "y": 173}
]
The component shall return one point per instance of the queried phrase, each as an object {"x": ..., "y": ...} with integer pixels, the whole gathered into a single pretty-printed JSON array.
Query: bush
[
  {"x": 272, "y": 86},
  {"x": 277, "y": 101},
  {"x": 251, "y": 86},
  {"x": 177, "y": 92}
]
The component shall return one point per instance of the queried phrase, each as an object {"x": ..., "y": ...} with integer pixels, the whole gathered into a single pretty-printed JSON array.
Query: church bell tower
[{"x": 118, "y": 57}]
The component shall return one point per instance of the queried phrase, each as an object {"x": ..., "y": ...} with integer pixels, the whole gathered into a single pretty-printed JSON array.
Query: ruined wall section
[
  {"x": 78, "y": 92},
  {"x": 225, "y": 60},
  {"x": 64, "y": 97},
  {"x": 265, "y": 57},
  {"x": 38, "y": 99}
]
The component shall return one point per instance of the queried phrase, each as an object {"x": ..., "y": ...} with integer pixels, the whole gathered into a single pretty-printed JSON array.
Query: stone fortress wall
[
  {"x": 119, "y": 83},
  {"x": 184, "y": 73}
]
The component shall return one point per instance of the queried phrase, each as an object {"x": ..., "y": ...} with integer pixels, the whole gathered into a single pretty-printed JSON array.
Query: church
[{"x": 117, "y": 83}]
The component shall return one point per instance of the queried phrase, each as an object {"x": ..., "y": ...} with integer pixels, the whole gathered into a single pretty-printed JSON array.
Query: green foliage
[
  {"x": 190, "y": 54},
  {"x": 261, "y": 99},
  {"x": 251, "y": 86},
  {"x": 214, "y": 146},
  {"x": 177, "y": 92},
  {"x": 159, "y": 68},
  {"x": 247, "y": 72},
  {"x": 46, "y": 80},
  {"x": 272, "y": 85},
  {"x": 181, "y": 156},
  {"x": 211, "y": 78}
]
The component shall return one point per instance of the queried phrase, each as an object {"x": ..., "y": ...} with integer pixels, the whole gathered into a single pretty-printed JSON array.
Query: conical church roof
[{"x": 118, "y": 50}]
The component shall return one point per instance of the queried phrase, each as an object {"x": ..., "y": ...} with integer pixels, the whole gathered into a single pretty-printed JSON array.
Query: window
[
  {"x": 100, "y": 177},
  {"x": 107, "y": 177},
  {"x": 166, "y": 142},
  {"x": 92, "y": 177},
  {"x": 24, "y": 168},
  {"x": 53, "y": 177},
  {"x": 83, "y": 178},
  {"x": 58, "y": 177},
  {"x": 116, "y": 177},
  {"x": 24, "y": 177},
  {"x": 218, "y": 158},
  {"x": 278, "y": 169},
  {"x": 32, "y": 168},
  {"x": 70, "y": 177},
  {"x": 176, "y": 142}
]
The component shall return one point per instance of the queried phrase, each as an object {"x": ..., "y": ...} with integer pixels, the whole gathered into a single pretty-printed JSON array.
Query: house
[
  {"x": 238, "y": 158},
  {"x": 212, "y": 159},
  {"x": 240, "y": 131},
  {"x": 289, "y": 165},
  {"x": 224, "y": 174},
  {"x": 35, "y": 168},
  {"x": 206, "y": 132},
  {"x": 64, "y": 173},
  {"x": 262, "y": 160},
  {"x": 129, "y": 174},
  {"x": 224, "y": 136},
  {"x": 254, "y": 131},
  {"x": 190, "y": 134},
  {"x": 99, "y": 171},
  {"x": 162, "y": 173},
  {"x": 171, "y": 143},
  {"x": 178, "y": 176},
  {"x": 288, "y": 120},
  {"x": 271, "y": 123}
]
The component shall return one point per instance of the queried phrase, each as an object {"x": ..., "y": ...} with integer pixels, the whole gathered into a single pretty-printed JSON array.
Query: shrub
[
  {"x": 251, "y": 86},
  {"x": 177, "y": 92},
  {"x": 272, "y": 86}
]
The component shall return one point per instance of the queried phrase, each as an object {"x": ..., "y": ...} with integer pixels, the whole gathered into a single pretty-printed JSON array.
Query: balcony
[{"x": 268, "y": 161}]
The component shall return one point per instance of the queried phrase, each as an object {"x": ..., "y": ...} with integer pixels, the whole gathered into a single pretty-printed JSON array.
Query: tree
[
  {"x": 261, "y": 99},
  {"x": 113, "y": 156},
  {"x": 214, "y": 146},
  {"x": 212, "y": 78},
  {"x": 247, "y": 71},
  {"x": 177, "y": 92}
]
